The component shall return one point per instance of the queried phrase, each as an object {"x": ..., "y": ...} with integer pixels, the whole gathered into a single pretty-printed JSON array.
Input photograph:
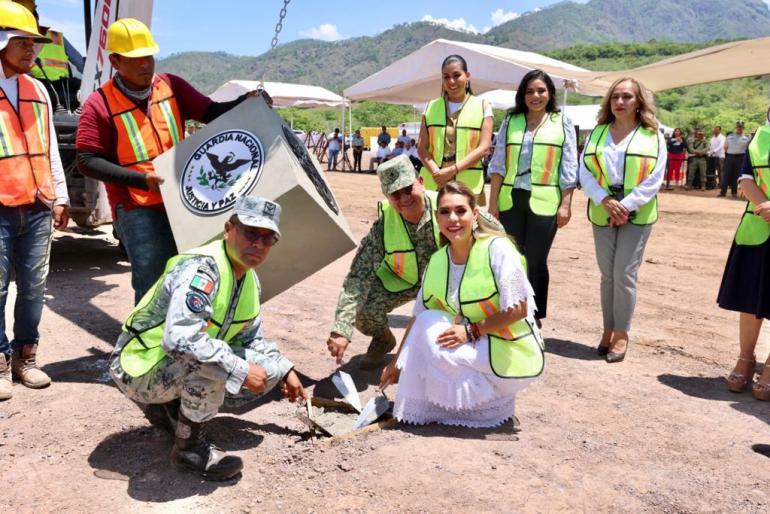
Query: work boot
[
  {"x": 25, "y": 368},
  {"x": 6, "y": 385},
  {"x": 193, "y": 453},
  {"x": 161, "y": 415},
  {"x": 378, "y": 348}
]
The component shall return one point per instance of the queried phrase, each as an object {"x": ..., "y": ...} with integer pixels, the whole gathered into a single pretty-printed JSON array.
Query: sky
[{"x": 246, "y": 27}]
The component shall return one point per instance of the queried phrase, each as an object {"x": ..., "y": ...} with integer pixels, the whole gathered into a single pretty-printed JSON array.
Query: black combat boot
[
  {"x": 161, "y": 415},
  {"x": 193, "y": 453}
]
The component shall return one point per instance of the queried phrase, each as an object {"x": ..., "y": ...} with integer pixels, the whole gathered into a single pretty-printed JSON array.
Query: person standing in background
[
  {"x": 736, "y": 144},
  {"x": 334, "y": 145},
  {"x": 698, "y": 148},
  {"x": 677, "y": 151},
  {"x": 358, "y": 150},
  {"x": 716, "y": 156}
]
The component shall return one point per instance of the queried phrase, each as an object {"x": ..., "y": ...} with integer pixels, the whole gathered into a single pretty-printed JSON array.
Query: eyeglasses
[
  {"x": 407, "y": 191},
  {"x": 253, "y": 234}
]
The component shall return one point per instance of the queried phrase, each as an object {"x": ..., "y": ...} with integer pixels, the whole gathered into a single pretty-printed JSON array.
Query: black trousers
[
  {"x": 730, "y": 172},
  {"x": 534, "y": 236},
  {"x": 357, "y": 153}
]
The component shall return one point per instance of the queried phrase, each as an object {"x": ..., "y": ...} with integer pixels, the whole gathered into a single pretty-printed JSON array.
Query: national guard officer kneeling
[{"x": 198, "y": 333}]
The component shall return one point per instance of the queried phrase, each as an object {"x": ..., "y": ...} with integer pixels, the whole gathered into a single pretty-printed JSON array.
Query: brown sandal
[
  {"x": 739, "y": 382},
  {"x": 761, "y": 390}
]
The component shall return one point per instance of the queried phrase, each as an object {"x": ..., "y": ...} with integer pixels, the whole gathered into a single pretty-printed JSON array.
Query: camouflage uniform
[
  {"x": 364, "y": 303},
  {"x": 198, "y": 369}
]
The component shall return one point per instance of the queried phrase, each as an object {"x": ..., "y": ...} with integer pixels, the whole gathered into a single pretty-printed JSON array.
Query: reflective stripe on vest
[
  {"x": 25, "y": 166},
  {"x": 145, "y": 350},
  {"x": 641, "y": 156},
  {"x": 398, "y": 270},
  {"x": 547, "y": 148},
  {"x": 53, "y": 56},
  {"x": 467, "y": 139},
  {"x": 753, "y": 230},
  {"x": 514, "y": 352},
  {"x": 141, "y": 138}
]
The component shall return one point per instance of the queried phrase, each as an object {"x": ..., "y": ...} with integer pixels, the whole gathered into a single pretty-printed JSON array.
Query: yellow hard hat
[
  {"x": 16, "y": 17},
  {"x": 130, "y": 38}
]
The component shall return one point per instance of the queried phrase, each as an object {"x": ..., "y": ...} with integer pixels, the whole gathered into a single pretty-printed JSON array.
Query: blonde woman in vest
[
  {"x": 456, "y": 364},
  {"x": 621, "y": 171},
  {"x": 456, "y": 132},
  {"x": 533, "y": 173},
  {"x": 745, "y": 286}
]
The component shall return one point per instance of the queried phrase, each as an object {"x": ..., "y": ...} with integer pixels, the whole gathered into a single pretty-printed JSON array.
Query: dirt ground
[{"x": 656, "y": 433}]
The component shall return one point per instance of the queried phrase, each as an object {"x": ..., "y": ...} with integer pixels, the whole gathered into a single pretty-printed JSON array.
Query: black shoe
[
  {"x": 616, "y": 356},
  {"x": 193, "y": 453},
  {"x": 602, "y": 350},
  {"x": 161, "y": 415}
]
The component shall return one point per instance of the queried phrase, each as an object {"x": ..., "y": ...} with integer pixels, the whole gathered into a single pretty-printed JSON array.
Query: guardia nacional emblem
[{"x": 224, "y": 167}]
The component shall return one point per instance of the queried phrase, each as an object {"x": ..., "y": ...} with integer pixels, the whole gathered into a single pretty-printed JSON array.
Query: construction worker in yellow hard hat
[
  {"x": 32, "y": 191},
  {"x": 125, "y": 124},
  {"x": 58, "y": 65}
]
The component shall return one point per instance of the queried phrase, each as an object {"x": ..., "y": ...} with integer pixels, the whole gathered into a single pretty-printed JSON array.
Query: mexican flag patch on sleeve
[{"x": 203, "y": 283}]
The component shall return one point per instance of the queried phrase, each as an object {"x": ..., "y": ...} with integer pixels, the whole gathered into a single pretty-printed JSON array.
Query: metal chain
[{"x": 279, "y": 25}]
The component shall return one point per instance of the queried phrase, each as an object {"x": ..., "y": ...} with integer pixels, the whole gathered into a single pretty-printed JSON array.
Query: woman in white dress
[{"x": 472, "y": 343}]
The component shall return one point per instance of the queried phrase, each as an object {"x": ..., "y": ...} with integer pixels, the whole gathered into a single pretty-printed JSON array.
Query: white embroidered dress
[{"x": 457, "y": 386}]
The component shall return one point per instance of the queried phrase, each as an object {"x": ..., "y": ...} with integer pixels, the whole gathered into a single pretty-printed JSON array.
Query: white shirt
[
  {"x": 10, "y": 87},
  {"x": 404, "y": 139},
  {"x": 453, "y": 107},
  {"x": 509, "y": 275},
  {"x": 614, "y": 166},
  {"x": 383, "y": 152},
  {"x": 717, "y": 146}
]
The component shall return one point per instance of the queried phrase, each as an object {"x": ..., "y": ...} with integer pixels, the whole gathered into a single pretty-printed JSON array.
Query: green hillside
[
  {"x": 584, "y": 29},
  {"x": 602, "y": 21},
  {"x": 720, "y": 103}
]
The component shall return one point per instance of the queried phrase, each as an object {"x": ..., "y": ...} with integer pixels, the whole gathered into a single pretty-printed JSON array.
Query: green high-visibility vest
[
  {"x": 468, "y": 138},
  {"x": 547, "y": 148},
  {"x": 144, "y": 351},
  {"x": 753, "y": 230},
  {"x": 641, "y": 156},
  {"x": 53, "y": 56},
  {"x": 514, "y": 352},
  {"x": 398, "y": 270}
]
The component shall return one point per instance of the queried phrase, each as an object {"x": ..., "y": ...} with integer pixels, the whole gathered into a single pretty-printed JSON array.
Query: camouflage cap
[
  {"x": 255, "y": 211},
  {"x": 396, "y": 174}
]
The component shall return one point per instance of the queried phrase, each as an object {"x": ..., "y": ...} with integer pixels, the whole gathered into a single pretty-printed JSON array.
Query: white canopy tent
[
  {"x": 415, "y": 78},
  {"x": 282, "y": 93},
  {"x": 722, "y": 62}
]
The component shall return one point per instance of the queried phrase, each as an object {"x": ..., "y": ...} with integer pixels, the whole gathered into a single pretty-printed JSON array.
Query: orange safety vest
[
  {"x": 25, "y": 138},
  {"x": 143, "y": 137}
]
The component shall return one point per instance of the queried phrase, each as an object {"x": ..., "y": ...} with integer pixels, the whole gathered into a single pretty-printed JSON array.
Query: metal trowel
[
  {"x": 373, "y": 409},
  {"x": 347, "y": 388}
]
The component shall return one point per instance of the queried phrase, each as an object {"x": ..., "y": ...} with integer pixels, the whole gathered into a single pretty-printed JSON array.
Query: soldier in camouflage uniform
[
  {"x": 198, "y": 334},
  {"x": 389, "y": 264}
]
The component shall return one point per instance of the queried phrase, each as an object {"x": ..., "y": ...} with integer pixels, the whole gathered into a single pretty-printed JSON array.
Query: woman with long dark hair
[
  {"x": 457, "y": 364},
  {"x": 456, "y": 131},
  {"x": 621, "y": 171},
  {"x": 534, "y": 173}
]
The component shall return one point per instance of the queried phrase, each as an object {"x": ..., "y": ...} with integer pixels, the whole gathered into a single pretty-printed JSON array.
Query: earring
[{"x": 475, "y": 226}]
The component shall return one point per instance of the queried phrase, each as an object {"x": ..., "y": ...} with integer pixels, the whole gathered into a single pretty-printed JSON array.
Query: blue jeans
[
  {"x": 333, "y": 159},
  {"x": 146, "y": 235},
  {"x": 25, "y": 248}
]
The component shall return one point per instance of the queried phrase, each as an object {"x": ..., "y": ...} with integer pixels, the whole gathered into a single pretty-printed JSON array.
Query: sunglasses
[
  {"x": 253, "y": 234},
  {"x": 407, "y": 191}
]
